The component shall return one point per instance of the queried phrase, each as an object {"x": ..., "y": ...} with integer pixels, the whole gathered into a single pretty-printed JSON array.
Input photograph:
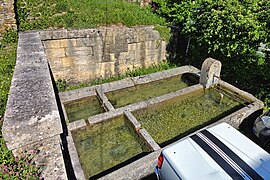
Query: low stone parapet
[{"x": 32, "y": 119}]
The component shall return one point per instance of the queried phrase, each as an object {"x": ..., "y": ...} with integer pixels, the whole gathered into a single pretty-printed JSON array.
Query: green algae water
[
  {"x": 165, "y": 121},
  {"x": 143, "y": 92},
  {"x": 83, "y": 108},
  {"x": 106, "y": 145}
]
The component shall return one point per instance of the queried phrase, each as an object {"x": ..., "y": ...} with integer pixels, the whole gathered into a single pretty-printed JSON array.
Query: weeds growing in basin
[
  {"x": 62, "y": 85},
  {"x": 172, "y": 118}
]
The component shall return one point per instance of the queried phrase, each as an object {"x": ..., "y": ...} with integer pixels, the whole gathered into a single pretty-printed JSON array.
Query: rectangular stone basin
[
  {"x": 168, "y": 121},
  {"x": 143, "y": 92},
  {"x": 104, "y": 146},
  {"x": 83, "y": 108}
]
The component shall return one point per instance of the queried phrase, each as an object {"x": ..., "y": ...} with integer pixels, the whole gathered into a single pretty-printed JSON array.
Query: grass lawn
[{"x": 40, "y": 14}]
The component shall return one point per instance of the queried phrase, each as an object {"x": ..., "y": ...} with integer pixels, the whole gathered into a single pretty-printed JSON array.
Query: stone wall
[
  {"x": 32, "y": 121},
  {"x": 83, "y": 55},
  {"x": 7, "y": 16}
]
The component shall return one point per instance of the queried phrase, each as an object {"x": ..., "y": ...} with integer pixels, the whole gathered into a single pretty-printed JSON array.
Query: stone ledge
[
  {"x": 135, "y": 123},
  {"x": 77, "y": 94},
  {"x": 75, "y": 161},
  {"x": 32, "y": 120},
  {"x": 136, "y": 170},
  {"x": 76, "y": 124},
  {"x": 149, "y": 140}
]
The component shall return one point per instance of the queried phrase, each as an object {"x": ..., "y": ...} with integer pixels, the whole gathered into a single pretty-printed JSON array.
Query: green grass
[
  {"x": 62, "y": 85},
  {"x": 8, "y": 47},
  {"x": 43, "y": 14}
]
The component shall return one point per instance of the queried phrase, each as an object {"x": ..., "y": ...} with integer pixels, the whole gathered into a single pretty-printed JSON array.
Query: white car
[{"x": 219, "y": 152}]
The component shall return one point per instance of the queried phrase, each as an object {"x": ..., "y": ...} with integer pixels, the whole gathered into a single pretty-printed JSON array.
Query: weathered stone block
[
  {"x": 121, "y": 84},
  {"x": 36, "y": 59},
  {"x": 79, "y": 51},
  {"x": 29, "y": 72},
  {"x": 149, "y": 140},
  {"x": 55, "y": 34},
  {"x": 141, "y": 79},
  {"x": 108, "y": 106},
  {"x": 135, "y": 123},
  {"x": 32, "y": 112},
  {"x": 53, "y": 53},
  {"x": 210, "y": 73},
  {"x": 54, "y": 44},
  {"x": 79, "y": 174},
  {"x": 29, "y": 48},
  {"x": 77, "y": 124},
  {"x": 67, "y": 61}
]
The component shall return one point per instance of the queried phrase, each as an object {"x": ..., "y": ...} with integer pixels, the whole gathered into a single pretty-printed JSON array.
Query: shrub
[{"x": 228, "y": 30}]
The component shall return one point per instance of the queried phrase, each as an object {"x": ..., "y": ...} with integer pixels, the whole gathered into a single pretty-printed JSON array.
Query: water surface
[
  {"x": 143, "y": 92},
  {"x": 83, "y": 108},
  {"x": 167, "y": 120},
  {"x": 106, "y": 145}
]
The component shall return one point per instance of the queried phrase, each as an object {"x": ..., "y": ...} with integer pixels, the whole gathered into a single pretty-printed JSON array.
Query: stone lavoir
[
  {"x": 159, "y": 119},
  {"x": 35, "y": 113}
]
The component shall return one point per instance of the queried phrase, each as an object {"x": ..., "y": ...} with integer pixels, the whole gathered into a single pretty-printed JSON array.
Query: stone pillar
[
  {"x": 210, "y": 73},
  {"x": 7, "y": 16}
]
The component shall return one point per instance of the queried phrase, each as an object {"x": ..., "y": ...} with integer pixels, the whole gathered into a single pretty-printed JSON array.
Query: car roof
[{"x": 192, "y": 158}]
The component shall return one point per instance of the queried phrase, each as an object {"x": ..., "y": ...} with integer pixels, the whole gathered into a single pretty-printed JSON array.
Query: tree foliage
[{"x": 229, "y": 30}]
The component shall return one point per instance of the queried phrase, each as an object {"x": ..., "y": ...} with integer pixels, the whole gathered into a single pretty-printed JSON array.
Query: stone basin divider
[
  {"x": 100, "y": 90},
  {"x": 144, "y": 166}
]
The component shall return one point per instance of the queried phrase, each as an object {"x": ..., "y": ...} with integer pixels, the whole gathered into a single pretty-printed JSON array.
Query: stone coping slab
[
  {"x": 31, "y": 112},
  {"x": 32, "y": 120},
  {"x": 86, "y": 33}
]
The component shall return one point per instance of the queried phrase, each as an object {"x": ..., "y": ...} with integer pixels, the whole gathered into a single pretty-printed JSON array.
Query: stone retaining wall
[
  {"x": 84, "y": 55},
  {"x": 7, "y": 16}
]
